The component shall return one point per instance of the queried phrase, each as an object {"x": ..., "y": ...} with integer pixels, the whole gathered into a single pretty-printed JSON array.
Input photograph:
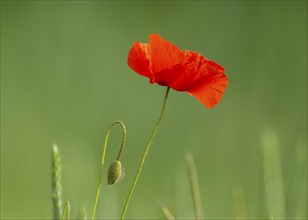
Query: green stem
[
  {"x": 103, "y": 161},
  {"x": 145, "y": 152}
]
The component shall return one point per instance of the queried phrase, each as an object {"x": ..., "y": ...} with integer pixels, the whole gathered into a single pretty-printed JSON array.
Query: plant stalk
[{"x": 145, "y": 152}]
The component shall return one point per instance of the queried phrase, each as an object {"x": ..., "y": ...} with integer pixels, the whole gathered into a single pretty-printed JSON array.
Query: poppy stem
[
  {"x": 145, "y": 152},
  {"x": 103, "y": 160}
]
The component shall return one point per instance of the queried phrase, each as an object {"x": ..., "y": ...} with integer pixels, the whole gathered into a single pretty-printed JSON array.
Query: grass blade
[
  {"x": 239, "y": 205},
  {"x": 274, "y": 194},
  {"x": 66, "y": 211},
  {"x": 82, "y": 215},
  {"x": 166, "y": 212},
  {"x": 195, "y": 190},
  {"x": 297, "y": 193}
]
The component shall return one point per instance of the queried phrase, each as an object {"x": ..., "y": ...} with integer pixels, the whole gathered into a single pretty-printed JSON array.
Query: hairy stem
[{"x": 145, "y": 152}]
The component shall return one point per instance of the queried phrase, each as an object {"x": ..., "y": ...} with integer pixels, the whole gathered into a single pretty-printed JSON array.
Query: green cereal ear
[
  {"x": 56, "y": 183},
  {"x": 115, "y": 172}
]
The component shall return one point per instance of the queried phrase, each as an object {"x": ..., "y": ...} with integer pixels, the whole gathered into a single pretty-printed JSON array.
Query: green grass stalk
[
  {"x": 274, "y": 193},
  {"x": 194, "y": 184},
  {"x": 82, "y": 215},
  {"x": 239, "y": 205},
  {"x": 66, "y": 211},
  {"x": 297, "y": 192},
  {"x": 168, "y": 215}
]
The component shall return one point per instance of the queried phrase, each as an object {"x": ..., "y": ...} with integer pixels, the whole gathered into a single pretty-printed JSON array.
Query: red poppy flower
[{"x": 182, "y": 70}]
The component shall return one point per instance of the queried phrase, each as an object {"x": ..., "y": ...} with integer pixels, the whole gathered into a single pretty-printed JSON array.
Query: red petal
[
  {"x": 139, "y": 58},
  {"x": 192, "y": 72},
  {"x": 164, "y": 54},
  {"x": 209, "y": 92},
  {"x": 185, "y": 75}
]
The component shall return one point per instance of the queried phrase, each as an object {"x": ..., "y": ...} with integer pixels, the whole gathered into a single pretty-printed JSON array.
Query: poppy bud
[{"x": 115, "y": 172}]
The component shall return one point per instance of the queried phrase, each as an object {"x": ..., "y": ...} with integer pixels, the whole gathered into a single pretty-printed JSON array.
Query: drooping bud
[{"x": 115, "y": 172}]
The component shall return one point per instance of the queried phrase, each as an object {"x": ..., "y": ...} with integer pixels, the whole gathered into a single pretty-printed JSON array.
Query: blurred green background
[{"x": 65, "y": 78}]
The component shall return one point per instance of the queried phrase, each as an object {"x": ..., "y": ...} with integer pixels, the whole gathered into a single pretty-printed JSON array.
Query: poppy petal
[
  {"x": 187, "y": 74},
  {"x": 193, "y": 71},
  {"x": 139, "y": 59},
  {"x": 210, "y": 92},
  {"x": 164, "y": 63},
  {"x": 163, "y": 54}
]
